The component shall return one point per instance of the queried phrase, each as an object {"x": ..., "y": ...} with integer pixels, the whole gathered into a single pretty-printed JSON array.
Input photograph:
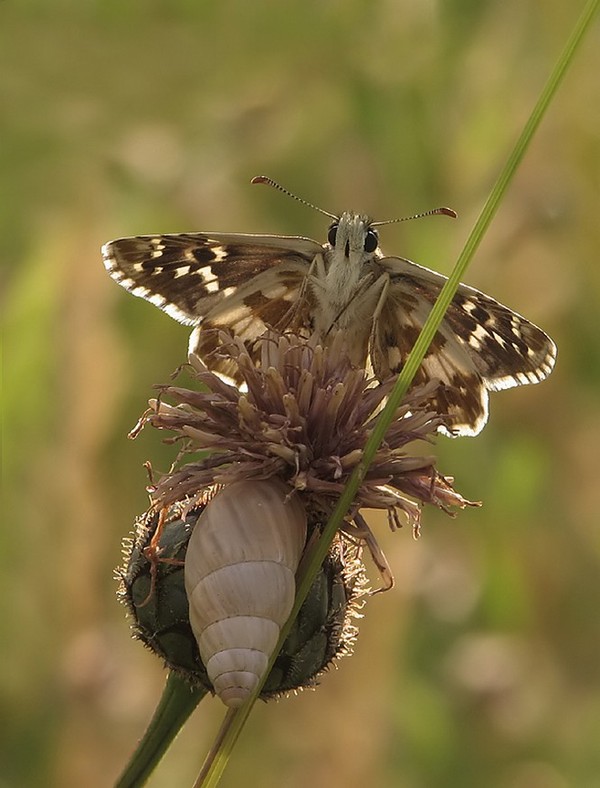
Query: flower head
[{"x": 304, "y": 417}]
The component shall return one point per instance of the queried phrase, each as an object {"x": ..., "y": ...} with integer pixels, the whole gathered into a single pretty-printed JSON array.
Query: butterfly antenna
[
  {"x": 433, "y": 212},
  {"x": 275, "y": 185}
]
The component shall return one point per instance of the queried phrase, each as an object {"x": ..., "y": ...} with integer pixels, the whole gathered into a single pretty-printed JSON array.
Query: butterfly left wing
[
  {"x": 481, "y": 345},
  {"x": 237, "y": 282}
]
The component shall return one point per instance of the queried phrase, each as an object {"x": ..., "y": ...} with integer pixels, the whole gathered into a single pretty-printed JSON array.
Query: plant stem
[{"x": 178, "y": 701}]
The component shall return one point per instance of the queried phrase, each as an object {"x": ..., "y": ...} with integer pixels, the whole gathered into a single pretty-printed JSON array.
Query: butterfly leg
[
  {"x": 152, "y": 552},
  {"x": 384, "y": 283},
  {"x": 359, "y": 531},
  {"x": 316, "y": 276},
  {"x": 293, "y": 318}
]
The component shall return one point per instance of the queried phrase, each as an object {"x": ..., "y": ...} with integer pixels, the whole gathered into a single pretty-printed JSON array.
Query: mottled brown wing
[
  {"x": 191, "y": 275},
  {"x": 235, "y": 282},
  {"x": 273, "y": 299},
  {"x": 480, "y": 346}
]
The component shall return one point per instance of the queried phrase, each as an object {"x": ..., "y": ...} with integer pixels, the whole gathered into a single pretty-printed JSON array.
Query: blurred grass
[{"x": 481, "y": 668}]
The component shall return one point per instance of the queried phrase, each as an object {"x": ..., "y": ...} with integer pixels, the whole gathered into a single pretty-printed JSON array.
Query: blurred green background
[{"x": 482, "y": 666}]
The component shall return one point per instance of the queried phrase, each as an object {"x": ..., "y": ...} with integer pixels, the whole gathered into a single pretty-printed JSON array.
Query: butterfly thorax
[{"x": 341, "y": 284}]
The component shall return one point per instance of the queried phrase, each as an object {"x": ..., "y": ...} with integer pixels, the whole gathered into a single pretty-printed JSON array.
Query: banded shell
[
  {"x": 152, "y": 587},
  {"x": 240, "y": 571}
]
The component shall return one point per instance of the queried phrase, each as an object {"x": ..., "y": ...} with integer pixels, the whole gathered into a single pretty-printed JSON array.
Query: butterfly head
[{"x": 351, "y": 237}]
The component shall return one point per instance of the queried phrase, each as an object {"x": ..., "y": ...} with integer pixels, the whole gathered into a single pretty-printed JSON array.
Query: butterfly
[{"x": 245, "y": 283}]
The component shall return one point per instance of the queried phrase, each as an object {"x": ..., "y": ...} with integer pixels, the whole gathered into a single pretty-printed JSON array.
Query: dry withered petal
[{"x": 305, "y": 417}]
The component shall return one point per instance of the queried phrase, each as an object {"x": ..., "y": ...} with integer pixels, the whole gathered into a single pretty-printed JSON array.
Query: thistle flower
[
  {"x": 305, "y": 418},
  {"x": 280, "y": 455}
]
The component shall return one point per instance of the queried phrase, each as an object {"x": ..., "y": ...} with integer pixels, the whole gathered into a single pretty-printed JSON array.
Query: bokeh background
[{"x": 482, "y": 666}]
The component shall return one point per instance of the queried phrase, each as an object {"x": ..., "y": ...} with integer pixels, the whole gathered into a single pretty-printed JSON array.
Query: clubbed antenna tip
[{"x": 270, "y": 182}]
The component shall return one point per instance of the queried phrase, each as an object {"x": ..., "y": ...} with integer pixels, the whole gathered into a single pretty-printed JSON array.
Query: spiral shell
[
  {"x": 152, "y": 588},
  {"x": 240, "y": 581}
]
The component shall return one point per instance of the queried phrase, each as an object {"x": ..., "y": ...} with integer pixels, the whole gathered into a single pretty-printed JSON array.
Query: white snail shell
[{"x": 239, "y": 577}]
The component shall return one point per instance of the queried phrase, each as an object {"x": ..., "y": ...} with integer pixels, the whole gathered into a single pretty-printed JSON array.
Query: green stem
[{"x": 178, "y": 701}]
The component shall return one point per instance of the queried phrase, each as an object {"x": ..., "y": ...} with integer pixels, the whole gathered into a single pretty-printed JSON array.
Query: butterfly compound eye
[
  {"x": 371, "y": 240},
  {"x": 332, "y": 234}
]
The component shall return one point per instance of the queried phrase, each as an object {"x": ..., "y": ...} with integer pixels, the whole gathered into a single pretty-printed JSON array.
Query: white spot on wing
[
  {"x": 477, "y": 336},
  {"x": 394, "y": 358},
  {"x": 220, "y": 253},
  {"x": 178, "y": 314},
  {"x": 275, "y": 291},
  {"x": 210, "y": 281}
]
